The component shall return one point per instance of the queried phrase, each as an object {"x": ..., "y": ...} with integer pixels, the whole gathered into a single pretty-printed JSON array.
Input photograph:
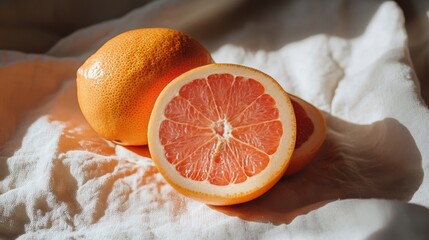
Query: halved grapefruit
[
  {"x": 310, "y": 134},
  {"x": 222, "y": 134}
]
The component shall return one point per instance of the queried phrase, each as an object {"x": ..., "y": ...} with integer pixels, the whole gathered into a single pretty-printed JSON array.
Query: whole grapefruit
[{"x": 118, "y": 85}]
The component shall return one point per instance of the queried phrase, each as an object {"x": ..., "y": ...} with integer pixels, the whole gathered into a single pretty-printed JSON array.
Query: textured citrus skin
[{"x": 118, "y": 85}]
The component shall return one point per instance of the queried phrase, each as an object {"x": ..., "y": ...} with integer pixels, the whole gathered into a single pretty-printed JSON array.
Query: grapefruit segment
[
  {"x": 256, "y": 135},
  {"x": 182, "y": 111},
  {"x": 197, "y": 165},
  {"x": 220, "y": 85},
  {"x": 199, "y": 96},
  {"x": 226, "y": 168},
  {"x": 254, "y": 161},
  {"x": 243, "y": 92},
  {"x": 178, "y": 133},
  {"x": 261, "y": 109},
  {"x": 233, "y": 140}
]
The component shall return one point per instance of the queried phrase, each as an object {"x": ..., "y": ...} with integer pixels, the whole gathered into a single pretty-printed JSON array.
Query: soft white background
[{"x": 59, "y": 180}]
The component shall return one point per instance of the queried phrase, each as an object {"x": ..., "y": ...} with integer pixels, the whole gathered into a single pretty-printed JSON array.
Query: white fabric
[{"x": 59, "y": 180}]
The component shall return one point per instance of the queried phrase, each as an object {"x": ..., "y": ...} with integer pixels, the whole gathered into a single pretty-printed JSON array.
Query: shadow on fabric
[{"x": 380, "y": 160}]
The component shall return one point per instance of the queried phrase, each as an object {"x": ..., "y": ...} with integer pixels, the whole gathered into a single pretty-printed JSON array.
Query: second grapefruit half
[{"x": 310, "y": 134}]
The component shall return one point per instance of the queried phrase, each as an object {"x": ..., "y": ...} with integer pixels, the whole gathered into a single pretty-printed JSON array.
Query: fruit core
[{"x": 222, "y": 128}]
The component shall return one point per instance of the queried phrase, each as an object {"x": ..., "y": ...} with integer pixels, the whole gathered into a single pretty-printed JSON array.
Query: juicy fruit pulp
[
  {"x": 222, "y": 133},
  {"x": 304, "y": 125},
  {"x": 225, "y": 118},
  {"x": 310, "y": 134}
]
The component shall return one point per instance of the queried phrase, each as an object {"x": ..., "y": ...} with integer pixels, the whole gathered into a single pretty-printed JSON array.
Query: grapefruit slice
[
  {"x": 222, "y": 134},
  {"x": 310, "y": 134}
]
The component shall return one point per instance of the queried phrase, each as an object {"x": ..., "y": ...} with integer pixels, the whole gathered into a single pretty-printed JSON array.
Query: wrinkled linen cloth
[{"x": 60, "y": 180}]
